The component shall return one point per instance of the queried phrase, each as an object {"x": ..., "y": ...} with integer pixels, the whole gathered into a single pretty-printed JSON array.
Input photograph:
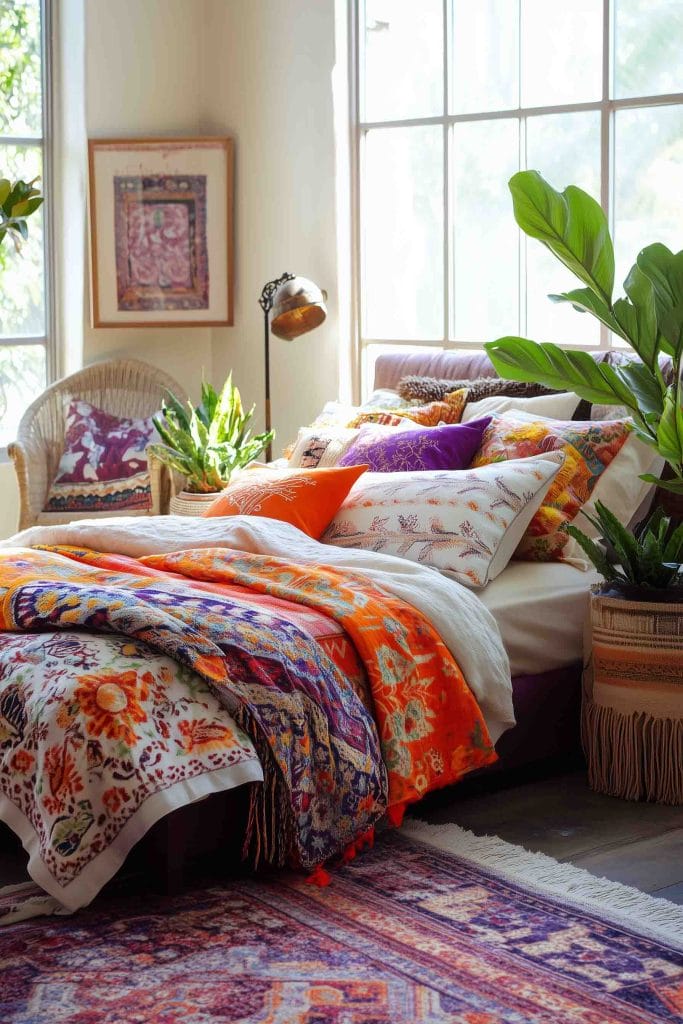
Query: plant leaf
[
  {"x": 595, "y": 553},
  {"x": 586, "y": 301},
  {"x": 664, "y": 270},
  {"x": 545, "y": 363},
  {"x": 571, "y": 224}
]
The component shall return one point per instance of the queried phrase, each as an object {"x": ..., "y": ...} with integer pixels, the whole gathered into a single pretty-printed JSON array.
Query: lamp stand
[{"x": 266, "y": 304}]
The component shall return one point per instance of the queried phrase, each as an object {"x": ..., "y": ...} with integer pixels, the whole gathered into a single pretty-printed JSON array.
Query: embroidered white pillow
[
  {"x": 468, "y": 522},
  {"x": 321, "y": 447}
]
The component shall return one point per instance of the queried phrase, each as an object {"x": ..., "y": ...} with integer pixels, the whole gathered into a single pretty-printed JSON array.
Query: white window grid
[
  {"x": 43, "y": 143},
  {"x": 607, "y": 106}
]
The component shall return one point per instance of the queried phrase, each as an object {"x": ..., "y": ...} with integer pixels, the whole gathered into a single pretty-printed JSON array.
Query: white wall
[
  {"x": 268, "y": 83},
  {"x": 144, "y": 77},
  {"x": 261, "y": 71}
]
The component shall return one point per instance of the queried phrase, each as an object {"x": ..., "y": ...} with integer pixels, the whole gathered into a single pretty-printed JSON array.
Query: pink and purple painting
[{"x": 161, "y": 246}]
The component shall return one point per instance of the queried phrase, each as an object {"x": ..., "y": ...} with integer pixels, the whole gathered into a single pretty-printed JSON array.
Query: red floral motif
[
  {"x": 22, "y": 762},
  {"x": 62, "y": 777},
  {"x": 114, "y": 799}
]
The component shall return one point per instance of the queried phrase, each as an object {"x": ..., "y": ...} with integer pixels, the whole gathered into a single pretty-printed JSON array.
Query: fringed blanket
[{"x": 332, "y": 766}]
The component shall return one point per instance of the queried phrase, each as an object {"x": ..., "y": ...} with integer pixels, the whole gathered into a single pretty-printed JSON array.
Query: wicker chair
[{"x": 125, "y": 388}]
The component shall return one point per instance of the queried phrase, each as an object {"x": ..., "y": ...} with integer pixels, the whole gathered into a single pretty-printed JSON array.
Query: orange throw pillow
[{"x": 307, "y": 498}]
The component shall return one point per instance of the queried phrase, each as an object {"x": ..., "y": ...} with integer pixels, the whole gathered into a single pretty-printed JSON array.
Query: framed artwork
[{"x": 161, "y": 232}]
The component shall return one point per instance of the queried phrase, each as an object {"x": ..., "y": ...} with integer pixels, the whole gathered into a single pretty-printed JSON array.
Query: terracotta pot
[{"x": 186, "y": 503}]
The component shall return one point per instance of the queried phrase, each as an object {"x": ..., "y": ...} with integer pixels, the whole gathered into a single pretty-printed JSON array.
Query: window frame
[
  {"x": 44, "y": 142},
  {"x": 607, "y": 106}
]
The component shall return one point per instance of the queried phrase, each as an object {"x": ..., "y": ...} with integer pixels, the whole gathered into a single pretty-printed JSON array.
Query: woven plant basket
[
  {"x": 185, "y": 503},
  {"x": 632, "y": 711}
]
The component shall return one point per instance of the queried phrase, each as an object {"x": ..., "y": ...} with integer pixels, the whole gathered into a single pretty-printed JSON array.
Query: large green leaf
[
  {"x": 545, "y": 363},
  {"x": 640, "y": 382},
  {"x": 637, "y": 317},
  {"x": 571, "y": 224},
  {"x": 664, "y": 270},
  {"x": 670, "y": 430}
]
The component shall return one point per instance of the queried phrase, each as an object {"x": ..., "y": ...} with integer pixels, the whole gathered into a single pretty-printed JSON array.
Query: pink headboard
[{"x": 464, "y": 364}]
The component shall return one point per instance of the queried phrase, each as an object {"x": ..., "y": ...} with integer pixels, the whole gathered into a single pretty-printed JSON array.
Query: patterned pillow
[
  {"x": 449, "y": 410},
  {"x": 103, "y": 467},
  {"x": 450, "y": 446},
  {"x": 589, "y": 448},
  {"x": 324, "y": 446},
  {"x": 467, "y": 522},
  {"x": 430, "y": 389}
]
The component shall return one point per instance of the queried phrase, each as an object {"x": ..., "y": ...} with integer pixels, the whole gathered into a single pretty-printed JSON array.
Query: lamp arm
[
  {"x": 268, "y": 293},
  {"x": 266, "y": 304}
]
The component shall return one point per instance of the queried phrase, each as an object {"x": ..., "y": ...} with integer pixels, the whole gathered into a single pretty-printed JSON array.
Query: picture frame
[{"x": 161, "y": 231}]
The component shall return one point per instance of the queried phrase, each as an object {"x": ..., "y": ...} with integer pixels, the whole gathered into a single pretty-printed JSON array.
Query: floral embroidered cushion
[
  {"x": 448, "y": 410},
  {"x": 466, "y": 522},
  {"x": 103, "y": 467},
  {"x": 589, "y": 448},
  {"x": 306, "y": 498},
  {"x": 449, "y": 446}
]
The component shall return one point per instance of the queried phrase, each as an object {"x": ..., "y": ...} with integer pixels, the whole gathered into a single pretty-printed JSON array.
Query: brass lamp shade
[{"x": 298, "y": 307}]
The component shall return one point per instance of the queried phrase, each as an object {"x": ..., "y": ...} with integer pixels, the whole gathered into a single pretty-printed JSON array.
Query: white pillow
[
  {"x": 467, "y": 521},
  {"x": 557, "y": 407},
  {"x": 619, "y": 486}
]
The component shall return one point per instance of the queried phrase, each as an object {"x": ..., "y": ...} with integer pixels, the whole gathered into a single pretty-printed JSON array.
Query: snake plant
[
  {"x": 649, "y": 318},
  {"x": 207, "y": 443},
  {"x": 649, "y": 557}
]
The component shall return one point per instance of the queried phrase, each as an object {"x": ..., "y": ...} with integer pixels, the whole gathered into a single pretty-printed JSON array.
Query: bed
[
  {"x": 146, "y": 664},
  {"x": 155, "y": 663}
]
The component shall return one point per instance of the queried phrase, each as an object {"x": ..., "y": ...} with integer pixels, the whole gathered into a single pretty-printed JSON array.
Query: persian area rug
[{"x": 478, "y": 933}]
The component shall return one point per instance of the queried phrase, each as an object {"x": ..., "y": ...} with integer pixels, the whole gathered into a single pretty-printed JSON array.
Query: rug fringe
[{"x": 626, "y": 906}]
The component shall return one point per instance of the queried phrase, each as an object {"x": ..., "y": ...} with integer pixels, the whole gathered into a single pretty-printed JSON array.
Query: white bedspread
[
  {"x": 467, "y": 628},
  {"x": 541, "y": 609}
]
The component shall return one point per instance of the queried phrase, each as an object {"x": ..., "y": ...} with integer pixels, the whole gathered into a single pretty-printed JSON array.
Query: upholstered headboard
[{"x": 455, "y": 365}]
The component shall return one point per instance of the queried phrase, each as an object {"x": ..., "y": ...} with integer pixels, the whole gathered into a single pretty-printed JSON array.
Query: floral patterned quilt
[{"x": 187, "y": 665}]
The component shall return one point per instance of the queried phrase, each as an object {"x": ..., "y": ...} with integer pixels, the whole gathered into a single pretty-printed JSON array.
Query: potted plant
[
  {"x": 206, "y": 444},
  {"x": 632, "y": 718}
]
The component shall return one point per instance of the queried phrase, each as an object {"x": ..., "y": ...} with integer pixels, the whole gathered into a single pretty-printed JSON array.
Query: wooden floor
[
  {"x": 635, "y": 843},
  {"x": 639, "y": 844}
]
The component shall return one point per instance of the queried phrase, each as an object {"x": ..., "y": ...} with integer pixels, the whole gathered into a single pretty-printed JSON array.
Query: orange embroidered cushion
[
  {"x": 306, "y": 498},
  {"x": 449, "y": 410},
  {"x": 589, "y": 447}
]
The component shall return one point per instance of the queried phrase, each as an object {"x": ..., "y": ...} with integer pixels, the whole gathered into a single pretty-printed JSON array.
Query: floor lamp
[{"x": 297, "y": 306}]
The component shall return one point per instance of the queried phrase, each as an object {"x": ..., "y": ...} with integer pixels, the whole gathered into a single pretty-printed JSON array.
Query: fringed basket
[{"x": 632, "y": 714}]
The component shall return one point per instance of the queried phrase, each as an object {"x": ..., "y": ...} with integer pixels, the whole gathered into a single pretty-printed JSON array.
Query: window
[
  {"x": 455, "y": 96},
  {"x": 24, "y": 335}
]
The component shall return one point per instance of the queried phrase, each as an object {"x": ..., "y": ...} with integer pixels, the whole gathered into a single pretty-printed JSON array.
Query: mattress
[{"x": 540, "y": 609}]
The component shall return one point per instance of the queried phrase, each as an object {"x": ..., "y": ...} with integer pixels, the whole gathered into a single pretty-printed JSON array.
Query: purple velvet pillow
[{"x": 450, "y": 446}]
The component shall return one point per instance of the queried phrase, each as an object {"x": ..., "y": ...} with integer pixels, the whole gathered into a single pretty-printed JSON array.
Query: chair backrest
[{"x": 126, "y": 388}]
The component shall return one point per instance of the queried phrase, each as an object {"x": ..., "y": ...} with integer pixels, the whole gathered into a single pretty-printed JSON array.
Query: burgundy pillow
[
  {"x": 103, "y": 467},
  {"x": 450, "y": 446}
]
